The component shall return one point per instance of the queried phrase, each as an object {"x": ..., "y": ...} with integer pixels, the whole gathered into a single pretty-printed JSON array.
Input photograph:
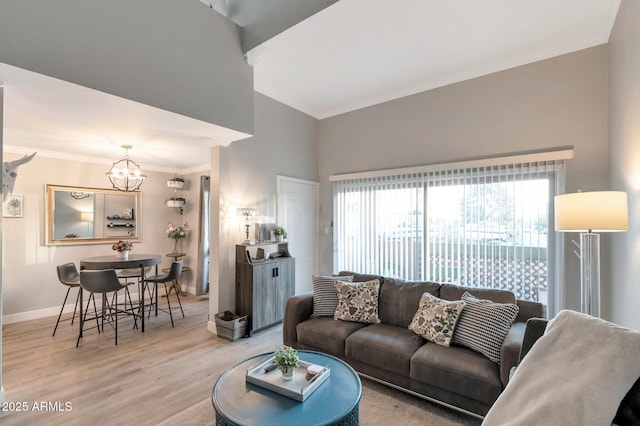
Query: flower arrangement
[
  {"x": 122, "y": 246},
  {"x": 286, "y": 358},
  {"x": 178, "y": 233},
  {"x": 280, "y": 230}
]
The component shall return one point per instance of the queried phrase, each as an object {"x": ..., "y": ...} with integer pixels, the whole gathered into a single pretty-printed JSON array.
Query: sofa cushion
[
  {"x": 436, "y": 319},
  {"x": 455, "y": 292},
  {"x": 483, "y": 325},
  {"x": 326, "y": 333},
  {"x": 358, "y": 301},
  {"x": 399, "y": 300},
  {"x": 325, "y": 295},
  {"x": 386, "y": 346},
  {"x": 360, "y": 278},
  {"x": 458, "y": 370}
]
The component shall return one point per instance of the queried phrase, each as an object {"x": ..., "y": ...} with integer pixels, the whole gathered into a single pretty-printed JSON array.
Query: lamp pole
[{"x": 590, "y": 273}]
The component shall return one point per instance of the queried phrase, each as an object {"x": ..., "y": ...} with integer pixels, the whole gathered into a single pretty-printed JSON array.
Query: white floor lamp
[{"x": 587, "y": 213}]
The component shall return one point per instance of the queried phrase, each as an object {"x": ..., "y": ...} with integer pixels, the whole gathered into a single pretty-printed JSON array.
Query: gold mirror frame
[{"x": 107, "y": 215}]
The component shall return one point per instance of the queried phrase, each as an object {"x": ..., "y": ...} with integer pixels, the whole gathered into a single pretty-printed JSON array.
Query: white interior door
[{"x": 298, "y": 213}]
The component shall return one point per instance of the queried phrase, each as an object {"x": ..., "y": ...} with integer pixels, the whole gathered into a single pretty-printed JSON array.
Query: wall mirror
[{"x": 78, "y": 215}]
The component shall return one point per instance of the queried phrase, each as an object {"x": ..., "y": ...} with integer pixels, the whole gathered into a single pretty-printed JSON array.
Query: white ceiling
[
  {"x": 352, "y": 54},
  {"x": 358, "y": 53}
]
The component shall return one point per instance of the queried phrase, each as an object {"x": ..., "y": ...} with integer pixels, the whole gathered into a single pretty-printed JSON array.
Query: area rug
[{"x": 380, "y": 405}]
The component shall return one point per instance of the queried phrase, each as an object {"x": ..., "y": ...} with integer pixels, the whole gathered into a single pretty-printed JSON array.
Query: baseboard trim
[{"x": 53, "y": 311}]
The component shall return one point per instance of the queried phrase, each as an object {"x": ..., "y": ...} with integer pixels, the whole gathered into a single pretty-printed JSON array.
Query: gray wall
[
  {"x": 180, "y": 56},
  {"x": 285, "y": 143},
  {"x": 549, "y": 104},
  {"x": 624, "y": 140}
]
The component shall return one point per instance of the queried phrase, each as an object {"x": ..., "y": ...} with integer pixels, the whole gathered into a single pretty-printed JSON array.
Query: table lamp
[
  {"x": 247, "y": 212},
  {"x": 588, "y": 213}
]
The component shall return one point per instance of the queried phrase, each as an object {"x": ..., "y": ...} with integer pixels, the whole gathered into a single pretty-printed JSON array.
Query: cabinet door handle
[{"x": 274, "y": 273}]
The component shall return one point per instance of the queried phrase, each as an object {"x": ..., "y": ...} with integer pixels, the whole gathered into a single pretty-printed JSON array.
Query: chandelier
[{"x": 125, "y": 175}]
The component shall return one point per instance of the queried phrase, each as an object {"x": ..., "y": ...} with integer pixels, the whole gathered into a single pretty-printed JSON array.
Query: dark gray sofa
[{"x": 389, "y": 352}]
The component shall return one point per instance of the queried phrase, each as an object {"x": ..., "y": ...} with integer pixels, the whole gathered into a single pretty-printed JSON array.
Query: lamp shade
[
  {"x": 597, "y": 211},
  {"x": 86, "y": 216}
]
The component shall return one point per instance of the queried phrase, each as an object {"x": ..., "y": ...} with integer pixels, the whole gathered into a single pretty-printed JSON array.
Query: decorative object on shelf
[
  {"x": 247, "y": 212},
  {"x": 10, "y": 172},
  {"x": 177, "y": 233},
  {"x": 122, "y": 249},
  {"x": 286, "y": 359},
  {"x": 589, "y": 212},
  {"x": 125, "y": 174},
  {"x": 175, "y": 182},
  {"x": 281, "y": 233}
]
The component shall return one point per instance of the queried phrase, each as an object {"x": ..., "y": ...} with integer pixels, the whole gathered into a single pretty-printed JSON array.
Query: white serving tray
[{"x": 298, "y": 388}]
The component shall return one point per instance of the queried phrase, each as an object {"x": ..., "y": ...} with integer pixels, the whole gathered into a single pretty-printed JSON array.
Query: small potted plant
[
  {"x": 280, "y": 233},
  {"x": 287, "y": 360},
  {"x": 175, "y": 182}
]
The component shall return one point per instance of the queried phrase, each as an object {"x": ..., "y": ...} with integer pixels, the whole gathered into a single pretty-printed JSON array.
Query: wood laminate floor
[{"x": 146, "y": 379}]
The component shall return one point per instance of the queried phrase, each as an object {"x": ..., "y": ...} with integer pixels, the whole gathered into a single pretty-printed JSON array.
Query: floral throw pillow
[
  {"x": 358, "y": 302},
  {"x": 436, "y": 319}
]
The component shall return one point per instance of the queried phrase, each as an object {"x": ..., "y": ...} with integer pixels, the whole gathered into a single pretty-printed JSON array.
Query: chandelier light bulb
[{"x": 125, "y": 174}]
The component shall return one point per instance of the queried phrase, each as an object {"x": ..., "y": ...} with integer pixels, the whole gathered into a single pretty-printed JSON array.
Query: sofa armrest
[
  {"x": 528, "y": 310},
  {"x": 510, "y": 350},
  {"x": 534, "y": 330},
  {"x": 297, "y": 309}
]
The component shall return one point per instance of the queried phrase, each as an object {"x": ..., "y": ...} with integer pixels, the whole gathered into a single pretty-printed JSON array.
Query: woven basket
[{"x": 234, "y": 329}]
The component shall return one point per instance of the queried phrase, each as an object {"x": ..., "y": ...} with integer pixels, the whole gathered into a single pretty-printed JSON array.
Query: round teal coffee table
[{"x": 334, "y": 402}]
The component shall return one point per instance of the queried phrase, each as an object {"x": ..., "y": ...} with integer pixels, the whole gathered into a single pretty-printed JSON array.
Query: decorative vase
[
  {"x": 122, "y": 254},
  {"x": 176, "y": 245},
  {"x": 288, "y": 375},
  {"x": 279, "y": 238}
]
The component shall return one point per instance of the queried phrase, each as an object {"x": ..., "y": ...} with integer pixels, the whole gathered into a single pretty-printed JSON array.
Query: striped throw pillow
[
  {"x": 483, "y": 325},
  {"x": 325, "y": 295}
]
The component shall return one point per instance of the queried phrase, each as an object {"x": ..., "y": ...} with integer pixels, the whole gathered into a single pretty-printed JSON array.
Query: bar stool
[
  {"x": 172, "y": 276},
  {"x": 133, "y": 273},
  {"x": 69, "y": 276},
  {"x": 104, "y": 281}
]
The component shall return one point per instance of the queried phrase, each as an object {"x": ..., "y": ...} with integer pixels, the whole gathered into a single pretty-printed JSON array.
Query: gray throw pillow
[
  {"x": 483, "y": 325},
  {"x": 325, "y": 295}
]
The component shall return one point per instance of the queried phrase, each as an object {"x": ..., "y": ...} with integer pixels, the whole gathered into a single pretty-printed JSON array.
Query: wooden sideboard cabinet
[{"x": 263, "y": 285}]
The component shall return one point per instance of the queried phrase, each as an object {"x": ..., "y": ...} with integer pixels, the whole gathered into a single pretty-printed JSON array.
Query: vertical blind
[{"x": 479, "y": 226}]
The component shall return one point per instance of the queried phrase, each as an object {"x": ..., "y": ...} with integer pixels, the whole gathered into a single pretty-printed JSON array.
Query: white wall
[
  {"x": 624, "y": 140},
  {"x": 549, "y": 104},
  {"x": 30, "y": 285}
]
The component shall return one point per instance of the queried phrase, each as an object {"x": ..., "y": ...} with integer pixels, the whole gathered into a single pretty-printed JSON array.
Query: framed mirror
[{"x": 79, "y": 215}]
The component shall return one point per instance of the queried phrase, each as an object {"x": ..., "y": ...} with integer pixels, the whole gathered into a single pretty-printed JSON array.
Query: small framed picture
[
  {"x": 12, "y": 206},
  {"x": 127, "y": 214}
]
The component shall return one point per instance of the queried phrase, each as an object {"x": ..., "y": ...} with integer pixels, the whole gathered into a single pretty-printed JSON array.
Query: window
[{"x": 478, "y": 226}]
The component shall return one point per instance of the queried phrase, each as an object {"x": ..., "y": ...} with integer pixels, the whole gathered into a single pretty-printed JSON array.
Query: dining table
[{"x": 114, "y": 262}]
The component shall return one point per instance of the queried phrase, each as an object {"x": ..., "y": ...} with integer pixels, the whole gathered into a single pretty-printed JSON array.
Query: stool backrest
[
  {"x": 175, "y": 271},
  {"x": 68, "y": 274},
  {"x": 101, "y": 281}
]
